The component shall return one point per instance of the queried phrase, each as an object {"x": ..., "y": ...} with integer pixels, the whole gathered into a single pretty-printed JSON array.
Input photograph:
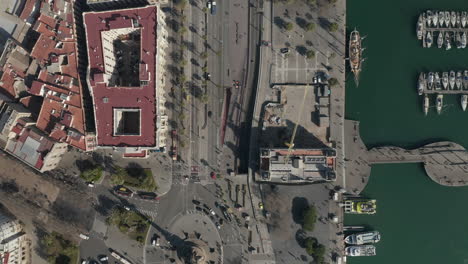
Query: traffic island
[{"x": 130, "y": 223}]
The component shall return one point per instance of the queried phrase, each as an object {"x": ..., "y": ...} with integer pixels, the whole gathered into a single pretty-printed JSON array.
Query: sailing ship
[{"x": 355, "y": 54}]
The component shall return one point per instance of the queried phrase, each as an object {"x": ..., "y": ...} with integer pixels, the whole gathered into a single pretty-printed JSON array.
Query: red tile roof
[
  {"x": 142, "y": 97},
  {"x": 28, "y": 8}
]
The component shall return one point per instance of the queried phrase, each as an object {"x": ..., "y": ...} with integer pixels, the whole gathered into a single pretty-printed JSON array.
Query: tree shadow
[
  {"x": 301, "y": 50},
  {"x": 279, "y": 22},
  {"x": 299, "y": 204},
  {"x": 194, "y": 62},
  {"x": 324, "y": 23},
  {"x": 301, "y": 22}
]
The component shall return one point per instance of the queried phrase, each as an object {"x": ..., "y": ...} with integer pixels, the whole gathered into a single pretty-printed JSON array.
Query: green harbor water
[{"x": 420, "y": 221}]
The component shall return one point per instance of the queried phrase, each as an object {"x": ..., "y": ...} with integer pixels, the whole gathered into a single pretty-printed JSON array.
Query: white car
[
  {"x": 208, "y": 5},
  {"x": 212, "y": 212},
  {"x": 155, "y": 242},
  {"x": 105, "y": 258},
  {"x": 85, "y": 237}
]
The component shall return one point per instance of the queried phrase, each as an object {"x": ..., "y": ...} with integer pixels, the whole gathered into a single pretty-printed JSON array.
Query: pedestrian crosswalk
[{"x": 151, "y": 214}]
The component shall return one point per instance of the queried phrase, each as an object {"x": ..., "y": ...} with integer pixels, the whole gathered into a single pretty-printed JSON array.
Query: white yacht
[
  {"x": 439, "y": 103},
  {"x": 363, "y": 238},
  {"x": 453, "y": 18},
  {"x": 463, "y": 40},
  {"x": 361, "y": 250},
  {"x": 429, "y": 39},
  {"x": 441, "y": 18},
  {"x": 447, "y": 18},
  {"x": 429, "y": 18},
  {"x": 465, "y": 79},
  {"x": 440, "y": 40},
  {"x": 420, "y": 26},
  {"x": 452, "y": 80},
  {"x": 464, "y": 99},
  {"x": 458, "y": 21},
  {"x": 426, "y": 104},
  {"x": 459, "y": 80},
  {"x": 437, "y": 85},
  {"x": 447, "y": 41},
  {"x": 445, "y": 81},
  {"x": 458, "y": 40},
  {"x": 435, "y": 19},
  {"x": 421, "y": 83},
  {"x": 463, "y": 19},
  {"x": 430, "y": 80}
]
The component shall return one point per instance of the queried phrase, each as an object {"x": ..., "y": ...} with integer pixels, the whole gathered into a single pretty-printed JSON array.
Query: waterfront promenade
[{"x": 446, "y": 163}]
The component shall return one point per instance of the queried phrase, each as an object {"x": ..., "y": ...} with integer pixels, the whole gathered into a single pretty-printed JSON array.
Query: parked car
[
  {"x": 284, "y": 50},
  {"x": 104, "y": 258}
]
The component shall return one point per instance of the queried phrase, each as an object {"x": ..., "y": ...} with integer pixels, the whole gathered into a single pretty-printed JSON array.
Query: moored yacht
[
  {"x": 429, "y": 18},
  {"x": 426, "y": 104},
  {"x": 437, "y": 85},
  {"x": 452, "y": 80},
  {"x": 465, "y": 79},
  {"x": 458, "y": 21},
  {"x": 453, "y": 18},
  {"x": 458, "y": 39},
  {"x": 445, "y": 81},
  {"x": 430, "y": 80},
  {"x": 459, "y": 80},
  {"x": 421, "y": 83},
  {"x": 363, "y": 238},
  {"x": 439, "y": 103},
  {"x": 447, "y": 18},
  {"x": 435, "y": 19},
  {"x": 440, "y": 39},
  {"x": 463, "y": 19},
  {"x": 361, "y": 250},
  {"x": 429, "y": 39},
  {"x": 420, "y": 26},
  {"x": 464, "y": 99},
  {"x": 447, "y": 41},
  {"x": 441, "y": 18},
  {"x": 463, "y": 40}
]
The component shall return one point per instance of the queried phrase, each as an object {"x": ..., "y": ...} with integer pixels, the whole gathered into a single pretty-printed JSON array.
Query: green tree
[
  {"x": 204, "y": 98},
  {"x": 309, "y": 218},
  {"x": 119, "y": 175},
  {"x": 180, "y": 3},
  {"x": 319, "y": 253},
  {"x": 310, "y": 26},
  {"x": 92, "y": 174},
  {"x": 310, "y": 243},
  {"x": 333, "y": 27},
  {"x": 310, "y": 54},
  {"x": 203, "y": 55},
  {"x": 288, "y": 26},
  {"x": 332, "y": 82}
]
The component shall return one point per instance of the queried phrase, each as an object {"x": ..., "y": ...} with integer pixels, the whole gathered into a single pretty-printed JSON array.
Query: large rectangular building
[
  {"x": 297, "y": 165},
  {"x": 121, "y": 46}
]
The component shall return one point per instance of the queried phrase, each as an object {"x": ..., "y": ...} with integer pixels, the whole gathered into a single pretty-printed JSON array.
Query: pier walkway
[
  {"x": 446, "y": 163},
  {"x": 433, "y": 91}
]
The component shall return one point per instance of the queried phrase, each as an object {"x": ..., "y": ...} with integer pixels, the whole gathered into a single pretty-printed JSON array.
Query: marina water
[{"x": 420, "y": 221}]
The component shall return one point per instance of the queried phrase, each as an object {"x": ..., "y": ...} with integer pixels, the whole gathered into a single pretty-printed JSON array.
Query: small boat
[
  {"x": 440, "y": 40},
  {"x": 360, "y": 206},
  {"x": 463, "y": 40},
  {"x": 441, "y": 18},
  {"x": 445, "y": 81},
  {"x": 363, "y": 238},
  {"x": 447, "y": 18},
  {"x": 430, "y": 80},
  {"x": 447, "y": 41},
  {"x": 465, "y": 79},
  {"x": 453, "y": 18},
  {"x": 426, "y": 104},
  {"x": 452, "y": 80},
  {"x": 457, "y": 40},
  {"x": 360, "y": 250},
  {"x": 458, "y": 21},
  {"x": 439, "y": 103},
  {"x": 459, "y": 80},
  {"x": 429, "y": 39},
  {"x": 463, "y": 19},
  {"x": 435, "y": 19},
  {"x": 464, "y": 98},
  {"x": 419, "y": 27},
  {"x": 429, "y": 18},
  {"x": 421, "y": 83},
  {"x": 437, "y": 85}
]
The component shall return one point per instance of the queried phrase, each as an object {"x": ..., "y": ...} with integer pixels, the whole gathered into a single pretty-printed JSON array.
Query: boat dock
[{"x": 452, "y": 28}]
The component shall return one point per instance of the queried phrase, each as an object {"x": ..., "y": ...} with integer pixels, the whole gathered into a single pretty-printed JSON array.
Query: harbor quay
[{"x": 446, "y": 163}]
